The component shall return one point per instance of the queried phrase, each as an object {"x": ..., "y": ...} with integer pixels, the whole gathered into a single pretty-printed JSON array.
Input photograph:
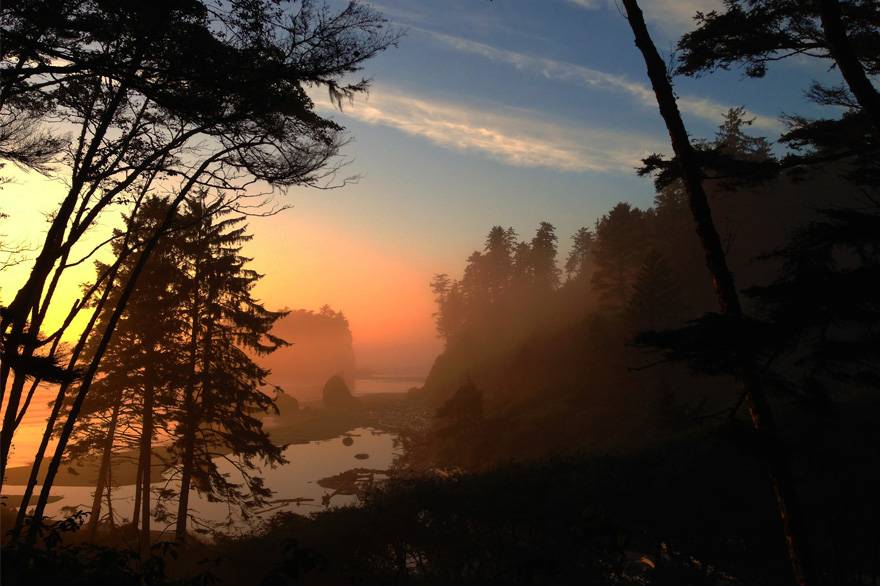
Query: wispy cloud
[
  {"x": 673, "y": 16},
  {"x": 703, "y": 108},
  {"x": 515, "y": 137},
  {"x": 400, "y": 15}
]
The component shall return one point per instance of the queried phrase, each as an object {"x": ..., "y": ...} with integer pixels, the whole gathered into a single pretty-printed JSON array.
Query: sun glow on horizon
[{"x": 307, "y": 262}]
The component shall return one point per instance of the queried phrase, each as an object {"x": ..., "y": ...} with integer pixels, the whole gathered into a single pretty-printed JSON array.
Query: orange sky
[{"x": 307, "y": 262}]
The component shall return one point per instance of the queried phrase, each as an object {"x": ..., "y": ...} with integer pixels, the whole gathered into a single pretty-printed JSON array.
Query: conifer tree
[
  {"x": 234, "y": 108},
  {"x": 617, "y": 253},
  {"x": 449, "y": 316},
  {"x": 542, "y": 255},
  {"x": 579, "y": 264},
  {"x": 220, "y": 396},
  {"x": 523, "y": 276},
  {"x": 763, "y": 422},
  {"x": 123, "y": 412},
  {"x": 757, "y": 33},
  {"x": 181, "y": 367},
  {"x": 498, "y": 258},
  {"x": 655, "y": 300}
]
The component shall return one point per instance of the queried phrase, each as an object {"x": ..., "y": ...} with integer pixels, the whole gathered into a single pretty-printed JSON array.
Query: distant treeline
[{"x": 550, "y": 343}]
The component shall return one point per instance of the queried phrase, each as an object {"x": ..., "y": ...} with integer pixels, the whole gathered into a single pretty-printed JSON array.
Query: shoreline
[{"x": 387, "y": 412}]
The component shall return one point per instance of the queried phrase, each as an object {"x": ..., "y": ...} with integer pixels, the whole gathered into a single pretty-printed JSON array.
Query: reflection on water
[
  {"x": 29, "y": 433},
  {"x": 308, "y": 463}
]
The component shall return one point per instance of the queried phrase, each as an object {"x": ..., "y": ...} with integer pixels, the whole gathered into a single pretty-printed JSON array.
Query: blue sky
[
  {"x": 530, "y": 109},
  {"x": 507, "y": 112}
]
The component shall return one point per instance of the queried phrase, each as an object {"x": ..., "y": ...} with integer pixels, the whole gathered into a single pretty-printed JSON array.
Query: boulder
[{"x": 337, "y": 395}]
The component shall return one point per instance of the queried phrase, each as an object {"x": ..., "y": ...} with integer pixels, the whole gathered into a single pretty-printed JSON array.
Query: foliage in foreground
[
  {"x": 59, "y": 562},
  {"x": 694, "y": 511}
]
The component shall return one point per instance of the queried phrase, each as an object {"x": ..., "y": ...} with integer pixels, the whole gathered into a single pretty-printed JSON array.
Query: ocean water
[
  {"x": 308, "y": 463},
  {"x": 298, "y": 479},
  {"x": 30, "y": 432}
]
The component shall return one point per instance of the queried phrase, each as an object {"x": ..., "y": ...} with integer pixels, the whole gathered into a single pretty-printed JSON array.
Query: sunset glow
[{"x": 447, "y": 292}]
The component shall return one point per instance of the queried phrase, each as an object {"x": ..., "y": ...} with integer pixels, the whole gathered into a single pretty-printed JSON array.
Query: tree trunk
[
  {"x": 190, "y": 426},
  {"x": 185, "y": 480},
  {"x": 11, "y": 415},
  {"x": 104, "y": 472},
  {"x": 136, "y": 513},
  {"x": 16, "y": 314},
  {"x": 92, "y": 369},
  {"x": 191, "y": 421},
  {"x": 146, "y": 457},
  {"x": 78, "y": 401},
  {"x": 62, "y": 391},
  {"x": 726, "y": 293},
  {"x": 27, "y": 299},
  {"x": 110, "y": 498},
  {"x": 850, "y": 67}
]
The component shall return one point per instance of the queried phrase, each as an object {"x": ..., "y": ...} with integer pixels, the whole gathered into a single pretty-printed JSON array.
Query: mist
[{"x": 447, "y": 293}]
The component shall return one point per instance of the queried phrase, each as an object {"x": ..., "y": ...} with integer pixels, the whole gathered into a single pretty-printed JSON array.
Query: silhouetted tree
[
  {"x": 731, "y": 138},
  {"x": 823, "y": 304},
  {"x": 522, "y": 267},
  {"x": 542, "y": 255},
  {"x": 617, "y": 253},
  {"x": 24, "y": 143},
  {"x": 234, "y": 109},
  {"x": 655, "y": 300},
  {"x": 579, "y": 264},
  {"x": 105, "y": 284},
  {"x": 133, "y": 392},
  {"x": 826, "y": 304},
  {"x": 498, "y": 261},
  {"x": 220, "y": 393},
  {"x": 475, "y": 284},
  {"x": 733, "y": 158},
  {"x": 728, "y": 297},
  {"x": 756, "y": 33},
  {"x": 449, "y": 315}
]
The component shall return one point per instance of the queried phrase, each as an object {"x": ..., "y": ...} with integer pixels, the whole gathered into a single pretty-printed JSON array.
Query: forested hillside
[{"x": 546, "y": 333}]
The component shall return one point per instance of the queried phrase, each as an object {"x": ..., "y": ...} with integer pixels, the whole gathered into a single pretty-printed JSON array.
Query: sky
[{"x": 507, "y": 112}]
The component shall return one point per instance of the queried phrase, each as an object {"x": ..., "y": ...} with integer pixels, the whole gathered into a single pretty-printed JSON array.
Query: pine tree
[
  {"x": 476, "y": 286},
  {"x": 542, "y": 256},
  {"x": 655, "y": 300},
  {"x": 122, "y": 412},
  {"x": 617, "y": 253},
  {"x": 180, "y": 367},
  {"x": 727, "y": 295},
  {"x": 523, "y": 276},
  {"x": 498, "y": 259},
  {"x": 579, "y": 264},
  {"x": 220, "y": 397},
  {"x": 451, "y": 315}
]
